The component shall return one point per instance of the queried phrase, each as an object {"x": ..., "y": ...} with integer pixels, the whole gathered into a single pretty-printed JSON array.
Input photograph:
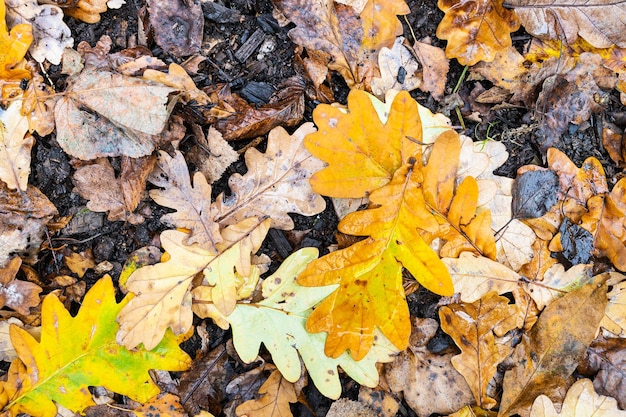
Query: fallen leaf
[
  {"x": 163, "y": 405},
  {"x": 278, "y": 322},
  {"x": 606, "y": 358},
  {"x": 163, "y": 297},
  {"x": 191, "y": 202},
  {"x": 534, "y": 193},
  {"x": 117, "y": 195},
  {"x": 23, "y": 218},
  {"x": 556, "y": 282},
  {"x": 277, "y": 182},
  {"x": 276, "y": 394},
  {"x": 581, "y": 400},
  {"x": 38, "y": 105},
  {"x": 435, "y": 67},
  {"x": 474, "y": 327},
  {"x": 474, "y": 276},
  {"x": 79, "y": 263},
  {"x": 211, "y": 154},
  {"x": 16, "y": 294},
  {"x": 87, "y": 11},
  {"x": 14, "y": 44},
  {"x": 447, "y": 390},
  {"x": 177, "y": 26},
  {"x": 615, "y": 318},
  {"x": 597, "y": 21},
  {"x": 549, "y": 353},
  {"x": 178, "y": 79},
  {"x": 15, "y": 146},
  {"x": 81, "y": 351},
  {"x": 398, "y": 69},
  {"x": 50, "y": 34},
  {"x": 476, "y": 30},
  {"x": 126, "y": 115}
]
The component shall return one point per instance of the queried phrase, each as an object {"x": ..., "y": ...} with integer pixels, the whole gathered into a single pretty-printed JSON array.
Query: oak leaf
[
  {"x": 277, "y": 182},
  {"x": 163, "y": 405},
  {"x": 163, "y": 297},
  {"x": 16, "y": 294},
  {"x": 615, "y": 316},
  {"x": 276, "y": 394},
  {"x": 15, "y": 146},
  {"x": 77, "y": 352},
  {"x": 192, "y": 203},
  {"x": 607, "y": 359},
  {"x": 557, "y": 282},
  {"x": 581, "y": 400},
  {"x": 476, "y": 30},
  {"x": 14, "y": 44},
  {"x": 474, "y": 328},
  {"x": 599, "y": 22},
  {"x": 551, "y": 350},
  {"x": 352, "y": 39},
  {"x": 278, "y": 321}
]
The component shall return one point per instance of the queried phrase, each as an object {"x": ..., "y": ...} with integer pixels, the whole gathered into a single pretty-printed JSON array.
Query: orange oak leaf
[
  {"x": 476, "y": 30},
  {"x": 14, "y": 44},
  {"x": 474, "y": 328}
]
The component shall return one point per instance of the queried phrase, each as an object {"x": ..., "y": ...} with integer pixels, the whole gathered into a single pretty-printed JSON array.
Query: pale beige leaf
[
  {"x": 614, "y": 319},
  {"x": 277, "y": 182},
  {"x": 514, "y": 245},
  {"x": 474, "y": 276},
  {"x": 191, "y": 202},
  {"x": 599, "y": 22},
  {"x": 557, "y": 282},
  {"x": 211, "y": 155},
  {"x": 581, "y": 401},
  {"x": 15, "y": 146},
  {"x": 50, "y": 33},
  {"x": 390, "y": 61}
]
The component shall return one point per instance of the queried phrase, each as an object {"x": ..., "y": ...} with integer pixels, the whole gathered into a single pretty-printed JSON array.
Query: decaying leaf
[
  {"x": 551, "y": 350},
  {"x": 23, "y": 218},
  {"x": 177, "y": 25},
  {"x": 599, "y": 22},
  {"x": 38, "y": 105},
  {"x": 581, "y": 400},
  {"x": 163, "y": 297},
  {"x": 14, "y": 44},
  {"x": 76, "y": 352},
  {"x": 278, "y": 322},
  {"x": 476, "y": 30},
  {"x": 474, "y": 328},
  {"x": 352, "y": 39},
  {"x": 50, "y": 34},
  {"x": 398, "y": 69},
  {"x": 15, "y": 146},
  {"x": 276, "y": 394},
  {"x": 446, "y": 391},
  {"x": 163, "y": 405},
  {"x": 125, "y": 115},
  {"x": 191, "y": 202},
  {"x": 16, "y": 294},
  {"x": 117, "y": 195},
  {"x": 277, "y": 182}
]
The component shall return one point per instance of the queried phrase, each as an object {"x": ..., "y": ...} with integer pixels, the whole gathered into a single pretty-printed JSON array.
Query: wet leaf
[
  {"x": 597, "y": 21},
  {"x": 50, "y": 34},
  {"x": 534, "y": 193},
  {"x": 15, "y": 146},
  {"x": 398, "y": 69},
  {"x": 474, "y": 328},
  {"x": 581, "y": 400},
  {"x": 77, "y": 352},
  {"x": 187, "y": 19},
  {"x": 549, "y": 353},
  {"x": 476, "y": 30},
  {"x": 276, "y": 394},
  {"x": 16, "y": 294},
  {"x": 277, "y": 182},
  {"x": 607, "y": 357}
]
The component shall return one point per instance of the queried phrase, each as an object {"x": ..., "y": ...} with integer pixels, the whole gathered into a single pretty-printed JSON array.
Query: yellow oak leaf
[
  {"x": 476, "y": 30},
  {"x": 474, "y": 327},
  {"x": 163, "y": 290},
  {"x": 14, "y": 44},
  {"x": 77, "y": 352}
]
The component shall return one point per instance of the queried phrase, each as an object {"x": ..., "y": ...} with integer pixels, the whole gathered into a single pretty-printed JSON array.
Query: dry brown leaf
[
  {"x": 447, "y": 390},
  {"x": 23, "y": 218},
  {"x": 177, "y": 26},
  {"x": 435, "y": 68},
  {"x": 38, "y": 105},
  {"x": 474, "y": 328},
  {"x": 476, "y": 30},
  {"x": 474, "y": 276},
  {"x": 192, "y": 203},
  {"x": 241, "y": 120},
  {"x": 16, "y": 294},
  {"x": 211, "y": 154},
  {"x": 607, "y": 358},
  {"x": 599, "y": 22},
  {"x": 277, "y": 182},
  {"x": 79, "y": 263},
  {"x": 15, "y": 146},
  {"x": 549, "y": 353},
  {"x": 178, "y": 78},
  {"x": 581, "y": 400},
  {"x": 126, "y": 115},
  {"x": 276, "y": 394},
  {"x": 107, "y": 193}
]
